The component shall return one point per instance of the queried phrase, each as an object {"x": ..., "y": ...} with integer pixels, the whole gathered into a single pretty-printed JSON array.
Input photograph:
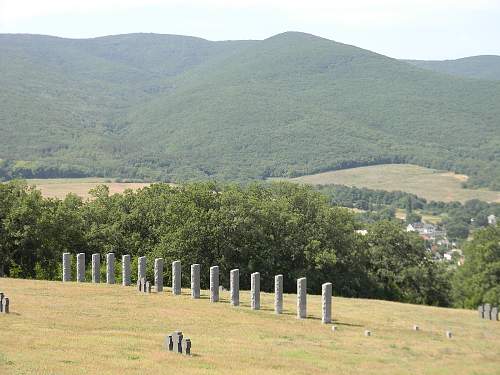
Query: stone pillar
[
  {"x": 96, "y": 268},
  {"x": 141, "y": 268},
  {"x": 301, "y": 298},
  {"x": 126, "y": 270},
  {"x": 214, "y": 284},
  {"x": 278, "y": 294},
  {"x": 159, "y": 274},
  {"x": 80, "y": 267},
  {"x": 255, "y": 291},
  {"x": 234, "y": 286},
  {"x": 195, "y": 280},
  {"x": 176, "y": 277},
  {"x": 66, "y": 268},
  {"x": 326, "y": 303},
  {"x": 110, "y": 268}
]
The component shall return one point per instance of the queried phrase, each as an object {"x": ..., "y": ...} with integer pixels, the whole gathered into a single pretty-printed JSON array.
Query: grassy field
[
  {"x": 70, "y": 328},
  {"x": 424, "y": 182},
  {"x": 60, "y": 187}
]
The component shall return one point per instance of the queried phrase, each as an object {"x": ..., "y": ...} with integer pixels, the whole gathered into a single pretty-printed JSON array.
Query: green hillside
[
  {"x": 480, "y": 67},
  {"x": 174, "y": 108}
]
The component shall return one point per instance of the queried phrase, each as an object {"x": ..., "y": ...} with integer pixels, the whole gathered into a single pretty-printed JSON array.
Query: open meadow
[
  {"x": 71, "y": 328},
  {"x": 60, "y": 187},
  {"x": 428, "y": 183}
]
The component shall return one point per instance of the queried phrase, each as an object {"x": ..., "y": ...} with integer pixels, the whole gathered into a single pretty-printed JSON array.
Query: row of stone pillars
[{"x": 326, "y": 293}]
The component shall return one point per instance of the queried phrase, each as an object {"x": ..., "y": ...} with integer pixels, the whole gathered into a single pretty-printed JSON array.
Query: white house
[{"x": 492, "y": 220}]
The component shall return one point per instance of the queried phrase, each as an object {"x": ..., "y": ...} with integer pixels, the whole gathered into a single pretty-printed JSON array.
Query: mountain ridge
[{"x": 187, "y": 108}]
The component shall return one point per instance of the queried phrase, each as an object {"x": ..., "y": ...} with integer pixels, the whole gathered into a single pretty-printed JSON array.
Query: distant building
[
  {"x": 427, "y": 231},
  {"x": 492, "y": 220},
  {"x": 363, "y": 232}
]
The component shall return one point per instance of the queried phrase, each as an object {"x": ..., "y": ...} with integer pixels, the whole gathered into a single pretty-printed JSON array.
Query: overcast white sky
[{"x": 420, "y": 29}]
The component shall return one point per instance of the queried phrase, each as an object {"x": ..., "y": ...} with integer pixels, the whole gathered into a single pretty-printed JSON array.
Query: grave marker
[
  {"x": 176, "y": 277},
  {"x": 214, "y": 284},
  {"x": 278, "y": 294},
  {"x": 66, "y": 267},
  {"x": 301, "y": 298},
  {"x": 326, "y": 303},
  {"x": 234, "y": 286},
  {"x": 110, "y": 268},
  {"x": 255, "y": 291},
  {"x": 195, "y": 281},
  {"x": 126, "y": 274},
  {"x": 96, "y": 268},
  {"x": 159, "y": 274},
  {"x": 80, "y": 267}
]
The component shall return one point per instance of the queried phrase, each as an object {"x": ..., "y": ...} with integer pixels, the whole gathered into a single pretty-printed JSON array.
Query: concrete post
[
  {"x": 141, "y": 268},
  {"x": 110, "y": 268},
  {"x": 301, "y": 298},
  {"x": 96, "y": 268},
  {"x": 159, "y": 274},
  {"x": 214, "y": 284},
  {"x": 278, "y": 294},
  {"x": 176, "y": 277},
  {"x": 234, "y": 286},
  {"x": 195, "y": 281},
  {"x": 326, "y": 303},
  {"x": 66, "y": 267},
  {"x": 80, "y": 267},
  {"x": 255, "y": 291},
  {"x": 126, "y": 270}
]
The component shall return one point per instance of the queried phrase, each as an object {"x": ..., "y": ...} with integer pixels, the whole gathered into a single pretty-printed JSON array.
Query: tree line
[{"x": 271, "y": 229}]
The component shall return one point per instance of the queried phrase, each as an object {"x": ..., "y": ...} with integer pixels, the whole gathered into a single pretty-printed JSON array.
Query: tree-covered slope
[
  {"x": 172, "y": 107},
  {"x": 480, "y": 67}
]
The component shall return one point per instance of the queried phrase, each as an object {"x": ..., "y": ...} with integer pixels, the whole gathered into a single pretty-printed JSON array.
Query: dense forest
[
  {"x": 174, "y": 108},
  {"x": 269, "y": 228}
]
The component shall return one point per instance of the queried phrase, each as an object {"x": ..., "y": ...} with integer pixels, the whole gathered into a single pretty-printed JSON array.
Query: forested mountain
[
  {"x": 480, "y": 67},
  {"x": 174, "y": 108}
]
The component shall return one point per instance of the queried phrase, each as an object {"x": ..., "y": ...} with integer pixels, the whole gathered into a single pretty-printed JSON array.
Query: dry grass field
[
  {"x": 70, "y": 328},
  {"x": 424, "y": 182},
  {"x": 60, "y": 187}
]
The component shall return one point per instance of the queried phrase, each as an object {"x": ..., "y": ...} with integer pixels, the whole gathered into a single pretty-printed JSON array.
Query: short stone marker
[
  {"x": 494, "y": 313},
  {"x": 195, "y": 281},
  {"x": 176, "y": 277},
  {"x": 487, "y": 311},
  {"x": 141, "y": 268},
  {"x": 80, "y": 267},
  {"x": 368, "y": 333},
  {"x": 139, "y": 285},
  {"x": 147, "y": 288},
  {"x": 448, "y": 334},
  {"x": 301, "y": 298},
  {"x": 66, "y": 276},
  {"x": 1, "y": 301},
  {"x": 5, "y": 305},
  {"x": 416, "y": 328},
  {"x": 234, "y": 287},
  {"x": 326, "y": 303},
  {"x": 255, "y": 291},
  {"x": 96, "y": 268},
  {"x": 214, "y": 284},
  {"x": 334, "y": 328},
  {"x": 159, "y": 274},
  {"x": 110, "y": 268},
  {"x": 278, "y": 294},
  {"x": 126, "y": 270},
  {"x": 480, "y": 310},
  {"x": 177, "y": 343}
]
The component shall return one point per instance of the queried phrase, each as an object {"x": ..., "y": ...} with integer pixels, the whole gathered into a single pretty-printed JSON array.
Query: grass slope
[
  {"x": 480, "y": 67},
  {"x": 427, "y": 183},
  {"x": 83, "y": 328},
  {"x": 173, "y": 107}
]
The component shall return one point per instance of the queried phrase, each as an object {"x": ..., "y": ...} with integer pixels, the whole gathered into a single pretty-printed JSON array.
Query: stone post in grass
[
  {"x": 126, "y": 270},
  {"x": 110, "y": 268},
  {"x": 96, "y": 268},
  {"x": 195, "y": 281},
  {"x": 141, "y": 268},
  {"x": 326, "y": 303},
  {"x": 159, "y": 274},
  {"x": 278, "y": 294},
  {"x": 255, "y": 291},
  {"x": 214, "y": 284},
  {"x": 66, "y": 268},
  {"x": 301, "y": 298},
  {"x": 234, "y": 287},
  {"x": 80, "y": 267},
  {"x": 176, "y": 277}
]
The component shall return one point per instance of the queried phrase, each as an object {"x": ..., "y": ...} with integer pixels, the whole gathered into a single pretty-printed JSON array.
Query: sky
[{"x": 417, "y": 29}]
